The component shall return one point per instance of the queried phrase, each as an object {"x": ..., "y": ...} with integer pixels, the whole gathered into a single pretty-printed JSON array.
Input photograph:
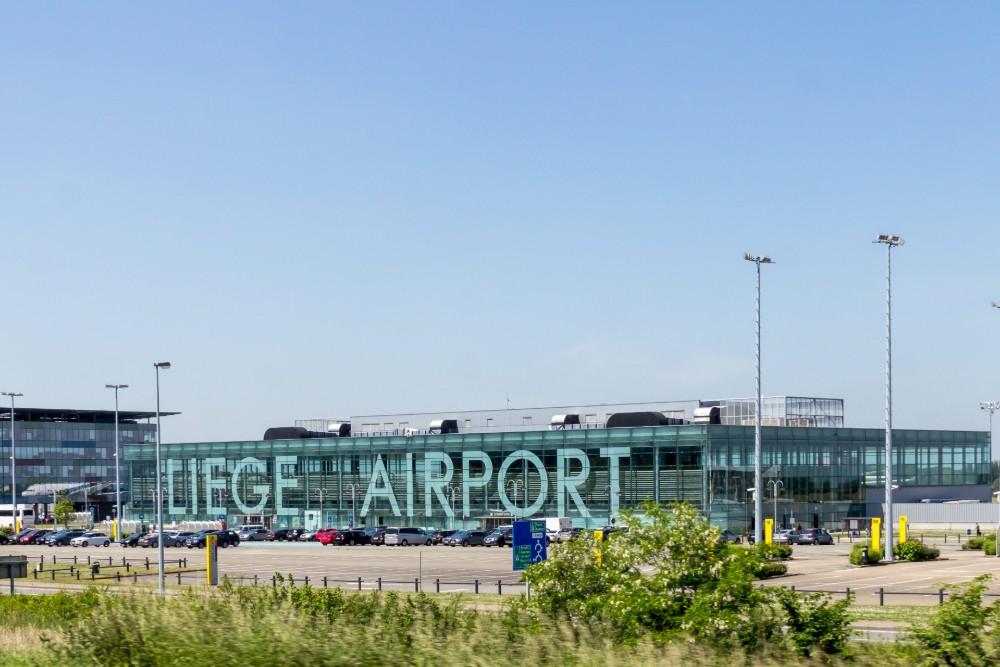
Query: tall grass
[{"x": 289, "y": 625}]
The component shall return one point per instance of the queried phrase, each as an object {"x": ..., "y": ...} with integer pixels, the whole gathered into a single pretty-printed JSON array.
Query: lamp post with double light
[
  {"x": 890, "y": 241},
  {"x": 776, "y": 486},
  {"x": 118, "y": 483},
  {"x": 353, "y": 488},
  {"x": 164, "y": 365},
  {"x": 758, "y": 471},
  {"x": 13, "y": 463}
]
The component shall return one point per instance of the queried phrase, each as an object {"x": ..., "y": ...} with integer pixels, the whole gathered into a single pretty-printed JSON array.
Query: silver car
[{"x": 253, "y": 534}]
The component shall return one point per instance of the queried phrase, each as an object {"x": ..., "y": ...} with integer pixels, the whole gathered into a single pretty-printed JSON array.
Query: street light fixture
[
  {"x": 514, "y": 483},
  {"x": 320, "y": 493},
  {"x": 608, "y": 489},
  {"x": 118, "y": 484},
  {"x": 891, "y": 241},
  {"x": 159, "y": 483},
  {"x": 758, "y": 471},
  {"x": 13, "y": 463},
  {"x": 354, "y": 490},
  {"x": 775, "y": 490},
  {"x": 451, "y": 492}
]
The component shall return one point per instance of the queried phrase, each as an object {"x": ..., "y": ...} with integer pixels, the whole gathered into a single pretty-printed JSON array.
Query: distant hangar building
[{"x": 587, "y": 462}]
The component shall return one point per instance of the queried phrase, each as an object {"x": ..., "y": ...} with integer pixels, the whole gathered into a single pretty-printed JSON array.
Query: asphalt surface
[{"x": 453, "y": 569}]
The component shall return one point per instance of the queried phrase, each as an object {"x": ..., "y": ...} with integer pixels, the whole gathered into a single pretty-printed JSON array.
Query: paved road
[{"x": 812, "y": 568}]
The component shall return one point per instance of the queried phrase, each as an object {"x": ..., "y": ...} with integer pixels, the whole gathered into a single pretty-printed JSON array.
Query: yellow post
[
  {"x": 902, "y": 529},
  {"x": 876, "y": 534},
  {"x": 212, "y": 559},
  {"x": 598, "y": 537},
  {"x": 768, "y": 531}
]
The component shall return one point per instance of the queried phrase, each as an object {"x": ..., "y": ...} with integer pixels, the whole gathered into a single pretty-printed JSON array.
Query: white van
[{"x": 406, "y": 536}]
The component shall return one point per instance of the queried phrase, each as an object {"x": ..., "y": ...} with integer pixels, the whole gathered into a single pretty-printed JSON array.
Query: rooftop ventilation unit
[
  {"x": 340, "y": 429},
  {"x": 444, "y": 426},
  {"x": 560, "y": 422}
]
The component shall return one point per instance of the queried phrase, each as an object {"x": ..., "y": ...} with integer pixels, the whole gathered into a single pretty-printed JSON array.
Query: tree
[
  {"x": 667, "y": 574},
  {"x": 64, "y": 509}
]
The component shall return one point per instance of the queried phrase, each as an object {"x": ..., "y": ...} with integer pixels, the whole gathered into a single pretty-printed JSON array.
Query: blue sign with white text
[{"x": 529, "y": 545}]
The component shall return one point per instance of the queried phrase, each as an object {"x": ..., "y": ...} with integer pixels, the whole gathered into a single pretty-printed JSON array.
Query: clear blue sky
[{"x": 320, "y": 209}]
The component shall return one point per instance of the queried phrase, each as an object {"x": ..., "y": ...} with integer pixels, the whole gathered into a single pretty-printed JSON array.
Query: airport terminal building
[{"x": 484, "y": 468}]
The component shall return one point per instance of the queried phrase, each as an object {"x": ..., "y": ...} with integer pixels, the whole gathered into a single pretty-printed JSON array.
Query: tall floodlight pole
[
  {"x": 758, "y": 471},
  {"x": 890, "y": 241},
  {"x": 514, "y": 483},
  {"x": 354, "y": 490},
  {"x": 118, "y": 483},
  {"x": 13, "y": 463},
  {"x": 991, "y": 407},
  {"x": 451, "y": 492},
  {"x": 776, "y": 486},
  {"x": 159, "y": 482}
]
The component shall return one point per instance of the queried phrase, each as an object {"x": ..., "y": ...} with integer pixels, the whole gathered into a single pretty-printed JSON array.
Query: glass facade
[
  {"x": 64, "y": 452},
  {"x": 587, "y": 474}
]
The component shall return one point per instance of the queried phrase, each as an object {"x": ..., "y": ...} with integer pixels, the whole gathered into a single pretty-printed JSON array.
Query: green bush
[
  {"x": 770, "y": 569},
  {"x": 974, "y": 543},
  {"x": 989, "y": 547},
  {"x": 779, "y": 551},
  {"x": 874, "y": 554},
  {"x": 912, "y": 550}
]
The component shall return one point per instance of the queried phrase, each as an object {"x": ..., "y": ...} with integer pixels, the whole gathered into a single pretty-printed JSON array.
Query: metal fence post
[
  {"x": 380, "y": 583},
  {"x": 359, "y": 583},
  {"x": 437, "y": 585},
  {"x": 499, "y": 587},
  {"x": 940, "y": 596},
  {"x": 306, "y": 581},
  {"x": 416, "y": 585},
  {"x": 848, "y": 592},
  {"x": 324, "y": 582},
  {"x": 274, "y": 582},
  {"x": 477, "y": 586},
  {"x": 881, "y": 597}
]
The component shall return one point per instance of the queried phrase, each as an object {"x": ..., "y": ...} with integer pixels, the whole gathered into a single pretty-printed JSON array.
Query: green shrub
[
  {"x": 770, "y": 569},
  {"x": 913, "y": 550},
  {"x": 874, "y": 554},
  {"x": 958, "y": 635},
  {"x": 974, "y": 543},
  {"x": 990, "y": 547},
  {"x": 779, "y": 551}
]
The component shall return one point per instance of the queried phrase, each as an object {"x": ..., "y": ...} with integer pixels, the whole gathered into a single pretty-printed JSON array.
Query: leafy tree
[
  {"x": 670, "y": 576},
  {"x": 64, "y": 509}
]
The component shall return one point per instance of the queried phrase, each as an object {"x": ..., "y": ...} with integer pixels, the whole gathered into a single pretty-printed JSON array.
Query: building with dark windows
[
  {"x": 482, "y": 468},
  {"x": 66, "y": 450}
]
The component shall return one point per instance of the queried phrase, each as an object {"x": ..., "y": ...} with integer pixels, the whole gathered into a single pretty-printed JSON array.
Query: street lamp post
[
  {"x": 13, "y": 463},
  {"x": 159, "y": 483},
  {"x": 320, "y": 493},
  {"x": 451, "y": 492},
  {"x": 514, "y": 483},
  {"x": 891, "y": 241},
  {"x": 758, "y": 473},
  {"x": 354, "y": 490},
  {"x": 611, "y": 491},
  {"x": 118, "y": 483},
  {"x": 991, "y": 407},
  {"x": 776, "y": 486}
]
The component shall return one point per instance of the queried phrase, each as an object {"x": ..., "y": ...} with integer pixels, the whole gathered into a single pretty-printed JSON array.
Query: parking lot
[{"x": 823, "y": 568}]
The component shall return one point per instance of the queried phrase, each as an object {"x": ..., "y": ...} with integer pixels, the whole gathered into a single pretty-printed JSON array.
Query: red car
[
  {"x": 325, "y": 536},
  {"x": 33, "y": 536}
]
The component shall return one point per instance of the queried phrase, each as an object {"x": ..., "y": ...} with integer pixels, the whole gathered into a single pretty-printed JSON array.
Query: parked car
[
  {"x": 16, "y": 537},
  {"x": 728, "y": 536},
  {"x": 227, "y": 538},
  {"x": 62, "y": 537},
  {"x": 376, "y": 535},
  {"x": 325, "y": 536},
  {"x": 295, "y": 534},
  {"x": 815, "y": 536},
  {"x": 568, "y": 534},
  {"x": 501, "y": 537},
  {"x": 253, "y": 534},
  {"x": 308, "y": 536},
  {"x": 171, "y": 538},
  {"x": 406, "y": 536},
  {"x": 466, "y": 538},
  {"x": 438, "y": 535},
  {"x": 351, "y": 537},
  {"x": 132, "y": 540},
  {"x": 34, "y": 536},
  {"x": 91, "y": 538},
  {"x": 277, "y": 535},
  {"x": 786, "y": 537}
]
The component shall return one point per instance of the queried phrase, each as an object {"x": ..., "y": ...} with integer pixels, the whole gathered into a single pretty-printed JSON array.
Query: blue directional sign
[
  {"x": 350, "y": 519},
  {"x": 529, "y": 543},
  {"x": 141, "y": 517}
]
